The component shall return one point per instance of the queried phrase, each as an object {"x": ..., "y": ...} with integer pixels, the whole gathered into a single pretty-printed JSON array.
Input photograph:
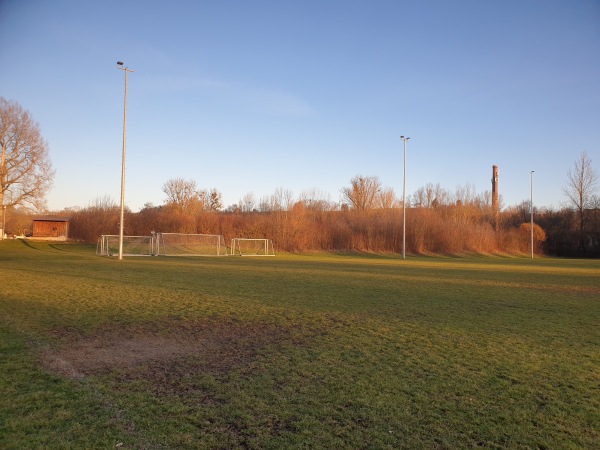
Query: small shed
[{"x": 51, "y": 227}]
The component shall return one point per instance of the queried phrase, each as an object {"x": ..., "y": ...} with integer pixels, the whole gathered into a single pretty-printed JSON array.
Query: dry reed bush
[
  {"x": 518, "y": 240},
  {"x": 340, "y": 233},
  {"x": 101, "y": 217},
  {"x": 449, "y": 231},
  {"x": 453, "y": 229},
  {"x": 513, "y": 241}
]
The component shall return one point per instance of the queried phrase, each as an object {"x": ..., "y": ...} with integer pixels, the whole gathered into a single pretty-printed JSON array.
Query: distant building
[
  {"x": 495, "y": 197},
  {"x": 495, "y": 202},
  {"x": 51, "y": 227}
]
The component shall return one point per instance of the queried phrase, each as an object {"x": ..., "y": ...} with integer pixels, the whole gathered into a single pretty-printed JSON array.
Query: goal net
[
  {"x": 181, "y": 244},
  {"x": 252, "y": 247},
  {"x": 108, "y": 245}
]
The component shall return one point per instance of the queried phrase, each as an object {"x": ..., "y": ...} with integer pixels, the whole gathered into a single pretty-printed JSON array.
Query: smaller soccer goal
[
  {"x": 108, "y": 245},
  {"x": 252, "y": 247},
  {"x": 181, "y": 244}
]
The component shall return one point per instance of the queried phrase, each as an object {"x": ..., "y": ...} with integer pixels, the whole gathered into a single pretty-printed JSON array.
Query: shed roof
[{"x": 51, "y": 219}]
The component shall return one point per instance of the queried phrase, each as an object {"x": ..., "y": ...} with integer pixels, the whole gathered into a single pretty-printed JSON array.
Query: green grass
[{"x": 326, "y": 351}]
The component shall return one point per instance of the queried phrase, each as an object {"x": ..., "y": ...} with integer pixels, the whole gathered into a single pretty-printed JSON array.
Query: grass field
[{"x": 323, "y": 351}]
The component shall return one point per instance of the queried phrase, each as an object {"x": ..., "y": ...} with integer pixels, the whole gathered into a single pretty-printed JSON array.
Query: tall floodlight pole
[
  {"x": 404, "y": 202},
  {"x": 531, "y": 201},
  {"x": 126, "y": 70},
  {"x": 2, "y": 183}
]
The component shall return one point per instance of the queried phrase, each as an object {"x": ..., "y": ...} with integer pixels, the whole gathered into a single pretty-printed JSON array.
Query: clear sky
[{"x": 252, "y": 96}]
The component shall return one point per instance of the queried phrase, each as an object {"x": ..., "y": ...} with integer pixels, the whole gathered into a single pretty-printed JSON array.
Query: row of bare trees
[
  {"x": 184, "y": 196},
  {"x": 306, "y": 226},
  {"x": 451, "y": 229},
  {"x": 364, "y": 193},
  {"x": 438, "y": 221}
]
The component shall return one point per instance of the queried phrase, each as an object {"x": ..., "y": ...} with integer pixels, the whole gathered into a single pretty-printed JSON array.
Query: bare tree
[
  {"x": 280, "y": 200},
  {"x": 580, "y": 190},
  {"x": 386, "y": 198},
  {"x": 265, "y": 204},
  {"x": 211, "y": 200},
  {"x": 248, "y": 202},
  {"x": 430, "y": 196},
  {"x": 362, "y": 192},
  {"x": 100, "y": 217},
  {"x": 26, "y": 173},
  {"x": 316, "y": 199},
  {"x": 182, "y": 194},
  {"x": 283, "y": 198},
  {"x": 466, "y": 195}
]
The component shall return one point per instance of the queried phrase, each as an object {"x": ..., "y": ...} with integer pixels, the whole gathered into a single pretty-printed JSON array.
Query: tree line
[{"x": 368, "y": 219}]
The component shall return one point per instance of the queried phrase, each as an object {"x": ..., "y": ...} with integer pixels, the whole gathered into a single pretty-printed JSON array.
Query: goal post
[
  {"x": 182, "y": 244},
  {"x": 108, "y": 245},
  {"x": 252, "y": 247}
]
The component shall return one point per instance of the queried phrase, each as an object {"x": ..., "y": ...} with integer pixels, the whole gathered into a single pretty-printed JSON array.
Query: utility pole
[
  {"x": 127, "y": 70},
  {"x": 3, "y": 176},
  {"x": 532, "y": 213},
  {"x": 404, "y": 202}
]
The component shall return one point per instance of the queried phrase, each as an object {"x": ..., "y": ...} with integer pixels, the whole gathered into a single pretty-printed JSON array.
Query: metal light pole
[
  {"x": 531, "y": 174},
  {"x": 2, "y": 183},
  {"x": 126, "y": 70},
  {"x": 404, "y": 202}
]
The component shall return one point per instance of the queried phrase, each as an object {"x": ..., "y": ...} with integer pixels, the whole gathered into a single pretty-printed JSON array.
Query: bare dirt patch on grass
[{"x": 157, "y": 351}]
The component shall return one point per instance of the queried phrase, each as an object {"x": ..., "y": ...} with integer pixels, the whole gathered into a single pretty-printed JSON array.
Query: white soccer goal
[
  {"x": 181, "y": 244},
  {"x": 108, "y": 245},
  {"x": 252, "y": 247}
]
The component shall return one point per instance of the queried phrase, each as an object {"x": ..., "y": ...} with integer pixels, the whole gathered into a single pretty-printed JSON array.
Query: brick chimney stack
[
  {"x": 495, "y": 188},
  {"x": 495, "y": 206}
]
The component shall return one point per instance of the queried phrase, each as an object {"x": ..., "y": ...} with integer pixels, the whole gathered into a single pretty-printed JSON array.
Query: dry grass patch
[{"x": 157, "y": 351}]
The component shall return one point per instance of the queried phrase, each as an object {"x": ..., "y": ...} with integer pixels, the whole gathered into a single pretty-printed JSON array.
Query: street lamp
[
  {"x": 531, "y": 174},
  {"x": 126, "y": 70},
  {"x": 404, "y": 202},
  {"x": 3, "y": 176}
]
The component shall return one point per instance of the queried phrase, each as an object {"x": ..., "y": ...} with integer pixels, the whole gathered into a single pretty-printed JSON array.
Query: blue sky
[{"x": 254, "y": 96}]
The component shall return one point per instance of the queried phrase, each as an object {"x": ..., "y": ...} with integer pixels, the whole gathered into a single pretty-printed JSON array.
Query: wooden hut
[{"x": 51, "y": 227}]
